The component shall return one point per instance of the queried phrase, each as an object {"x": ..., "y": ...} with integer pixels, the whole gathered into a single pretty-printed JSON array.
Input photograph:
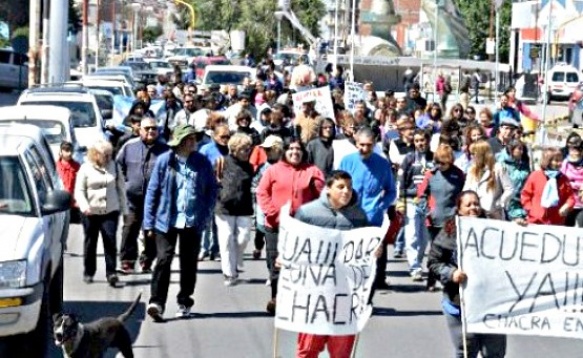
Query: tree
[
  {"x": 151, "y": 33},
  {"x": 255, "y": 17},
  {"x": 476, "y": 15}
]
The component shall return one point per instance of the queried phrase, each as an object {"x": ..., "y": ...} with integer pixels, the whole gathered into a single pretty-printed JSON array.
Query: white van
[
  {"x": 563, "y": 80},
  {"x": 13, "y": 69}
]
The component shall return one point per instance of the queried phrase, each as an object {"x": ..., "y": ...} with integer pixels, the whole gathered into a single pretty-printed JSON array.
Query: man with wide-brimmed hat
[{"x": 180, "y": 200}]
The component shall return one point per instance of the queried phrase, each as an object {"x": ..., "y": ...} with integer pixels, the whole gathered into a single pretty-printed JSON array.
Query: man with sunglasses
[{"x": 136, "y": 160}]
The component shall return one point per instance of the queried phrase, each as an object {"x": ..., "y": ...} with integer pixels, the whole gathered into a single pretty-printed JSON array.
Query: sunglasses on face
[{"x": 150, "y": 128}]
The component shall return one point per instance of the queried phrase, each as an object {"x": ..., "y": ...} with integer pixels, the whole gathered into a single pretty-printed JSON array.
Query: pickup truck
[{"x": 34, "y": 216}]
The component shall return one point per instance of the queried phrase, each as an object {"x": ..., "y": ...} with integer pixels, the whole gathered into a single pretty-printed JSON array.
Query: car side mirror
[
  {"x": 56, "y": 201},
  {"x": 107, "y": 114}
]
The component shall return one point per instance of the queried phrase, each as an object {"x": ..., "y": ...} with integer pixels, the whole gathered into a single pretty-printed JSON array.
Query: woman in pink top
[
  {"x": 572, "y": 168},
  {"x": 289, "y": 180}
]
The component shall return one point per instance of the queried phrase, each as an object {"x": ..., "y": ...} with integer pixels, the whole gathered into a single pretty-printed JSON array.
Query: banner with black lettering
[
  {"x": 521, "y": 280},
  {"x": 326, "y": 277}
]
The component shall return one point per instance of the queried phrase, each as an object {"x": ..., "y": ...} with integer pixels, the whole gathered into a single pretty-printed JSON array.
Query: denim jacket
[{"x": 161, "y": 193}]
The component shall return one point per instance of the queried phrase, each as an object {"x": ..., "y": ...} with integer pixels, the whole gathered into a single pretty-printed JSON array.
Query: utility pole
[
  {"x": 113, "y": 26},
  {"x": 33, "y": 40},
  {"x": 85, "y": 35},
  {"x": 59, "y": 50},
  {"x": 97, "y": 31},
  {"x": 44, "y": 71}
]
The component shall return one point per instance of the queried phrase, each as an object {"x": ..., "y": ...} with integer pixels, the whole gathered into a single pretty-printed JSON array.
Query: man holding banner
[{"x": 336, "y": 301}]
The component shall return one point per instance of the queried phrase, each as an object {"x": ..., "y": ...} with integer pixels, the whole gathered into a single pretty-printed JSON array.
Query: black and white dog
[{"x": 91, "y": 340}]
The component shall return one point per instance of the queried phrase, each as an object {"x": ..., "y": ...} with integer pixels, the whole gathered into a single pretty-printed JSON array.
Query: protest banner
[
  {"x": 353, "y": 92},
  {"x": 521, "y": 280},
  {"x": 326, "y": 277},
  {"x": 323, "y": 98}
]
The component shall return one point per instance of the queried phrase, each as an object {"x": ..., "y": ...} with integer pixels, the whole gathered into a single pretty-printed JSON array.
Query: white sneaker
[
  {"x": 417, "y": 276},
  {"x": 268, "y": 282},
  {"x": 230, "y": 281},
  {"x": 183, "y": 311},
  {"x": 155, "y": 311}
]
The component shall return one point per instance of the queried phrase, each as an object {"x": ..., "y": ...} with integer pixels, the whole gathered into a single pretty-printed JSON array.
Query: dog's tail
[{"x": 124, "y": 316}]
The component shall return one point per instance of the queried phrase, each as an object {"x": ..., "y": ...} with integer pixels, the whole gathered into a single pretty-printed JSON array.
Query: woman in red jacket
[
  {"x": 547, "y": 196},
  {"x": 67, "y": 169},
  {"x": 290, "y": 179}
]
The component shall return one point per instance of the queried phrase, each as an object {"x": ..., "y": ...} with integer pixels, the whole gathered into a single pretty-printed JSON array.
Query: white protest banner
[
  {"x": 521, "y": 280},
  {"x": 326, "y": 277},
  {"x": 353, "y": 92},
  {"x": 321, "y": 95}
]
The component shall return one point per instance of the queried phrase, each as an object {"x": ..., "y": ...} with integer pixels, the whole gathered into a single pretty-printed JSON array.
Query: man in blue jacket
[
  {"x": 372, "y": 180},
  {"x": 180, "y": 200}
]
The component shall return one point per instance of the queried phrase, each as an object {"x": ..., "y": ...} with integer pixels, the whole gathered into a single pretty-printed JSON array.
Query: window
[
  {"x": 83, "y": 112},
  {"x": 15, "y": 195},
  {"x": 5, "y": 57},
  {"x": 37, "y": 176},
  {"x": 572, "y": 77},
  {"x": 558, "y": 77},
  {"x": 44, "y": 171}
]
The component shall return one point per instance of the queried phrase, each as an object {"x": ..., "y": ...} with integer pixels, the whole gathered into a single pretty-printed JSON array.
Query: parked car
[
  {"x": 225, "y": 75},
  {"x": 87, "y": 119},
  {"x": 162, "y": 67},
  {"x": 563, "y": 80},
  {"x": 34, "y": 215},
  {"x": 185, "y": 55},
  {"x": 56, "y": 124},
  {"x": 201, "y": 62},
  {"x": 116, "y": 88},
  {"x": 13, "y": 69}
]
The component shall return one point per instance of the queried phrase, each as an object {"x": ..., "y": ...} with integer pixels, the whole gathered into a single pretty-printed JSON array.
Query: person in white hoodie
[{"x": 490, "y": 180}]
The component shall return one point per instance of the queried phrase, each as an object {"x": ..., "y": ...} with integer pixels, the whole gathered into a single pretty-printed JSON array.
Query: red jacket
[
  {"x": 531, "y": 195},
  {"x": 282, "y": 183},
  {"x": 68, "y": 173}
]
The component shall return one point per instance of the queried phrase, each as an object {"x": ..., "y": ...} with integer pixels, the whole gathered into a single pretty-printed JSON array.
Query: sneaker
[
  {"x": 155, "y": 311},
  {"x": 127, "y": 268},
  {"x": 270, "y": 308},
  {"x": 203, "y": 255},
  {"x": 146, "y": 267},
  {"x": 268, "y": 282},
  {"x": 398, "y": 255},
  {"x": 256, "y": 254},
  {"x": 230, "y": 281},
  {"x": 87, "y": 279},
  {"x": 183, "y": 311},
  {"x": 417, "y": 276},
  {"x": 112, "y": 280}
]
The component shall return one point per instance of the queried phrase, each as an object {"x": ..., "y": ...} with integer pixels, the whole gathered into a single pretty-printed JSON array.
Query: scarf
[{"x": 550, "y": 196}]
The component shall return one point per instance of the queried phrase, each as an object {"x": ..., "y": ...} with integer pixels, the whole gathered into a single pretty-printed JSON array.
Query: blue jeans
[
  {"x": 400, "y": 241},
  {"x": 416, "y": 236},
  {"x": 210, "y": 242}
]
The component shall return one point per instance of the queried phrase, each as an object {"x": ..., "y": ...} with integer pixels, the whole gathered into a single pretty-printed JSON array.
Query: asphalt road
[{"x": 231, "y": 322}]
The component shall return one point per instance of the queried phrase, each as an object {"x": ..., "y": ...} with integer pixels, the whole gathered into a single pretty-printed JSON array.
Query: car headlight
[{"x": 12, "y": 274}]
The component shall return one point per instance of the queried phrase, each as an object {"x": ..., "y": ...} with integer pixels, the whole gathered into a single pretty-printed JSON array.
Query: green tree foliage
[
  {"x": 255, "y": 17},
  {"x": 152, "y": 33},
  {"x": 476, "y": 15}
]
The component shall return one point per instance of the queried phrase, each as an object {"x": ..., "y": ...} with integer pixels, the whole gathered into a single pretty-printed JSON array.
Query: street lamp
[{"x": 192, "y": 18}]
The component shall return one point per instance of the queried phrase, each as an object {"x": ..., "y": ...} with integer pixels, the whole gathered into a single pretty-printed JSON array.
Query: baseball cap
[
  {"x": 180, "y": 133},
  {"x": 271, "y": 141}
]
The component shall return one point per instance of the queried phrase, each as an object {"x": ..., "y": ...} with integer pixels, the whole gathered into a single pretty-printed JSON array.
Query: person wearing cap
[
  {"x": 183, "y": 115},
  {"x": 272, "y": 148},
  {"x": 505, "y": 112},
  {"x": 136, "y": 160},
  {"x": 504, "y": 135},
  {"x": 199, "y": 120},
  {"x": 179, "y": 204},
  {"x": 307, "y": 121}
]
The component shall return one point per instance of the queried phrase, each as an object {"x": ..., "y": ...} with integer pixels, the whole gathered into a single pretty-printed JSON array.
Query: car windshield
[
  {"x": 104, "y": 101},
  {"x": 113, "y": 90},
  {"x": 160, "y": 64},
  {"x": 82, "y": 112},
  {"x": 14, "y": 192},
  {"x": 139, "y": 66},
  {"x": 226, "y": 77},
  {"x": 190, "y": 52}
]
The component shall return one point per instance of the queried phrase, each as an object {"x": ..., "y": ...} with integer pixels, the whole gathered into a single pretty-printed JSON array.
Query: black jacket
[
  {"x": 321, "y": 154},
  {"x": 442, "y": 261},
  {"x": 251, "y": 132},
  {"x": 235, "y": 197},
  {"x": 412, "y": 173}
]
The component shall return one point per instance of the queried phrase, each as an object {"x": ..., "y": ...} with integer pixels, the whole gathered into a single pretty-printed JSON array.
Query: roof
[
  {"x": 62, "y": 88},
  {"x": 34, "y": 112},
  {"x": 12, "y": 137}
]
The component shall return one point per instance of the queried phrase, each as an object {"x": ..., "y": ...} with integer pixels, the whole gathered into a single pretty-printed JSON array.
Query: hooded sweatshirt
[
  {"x": 517, "y": 172},
  {"x": 320, "y": 213},
  {"x": 574, "y": 172},
  {"x": 320, "y": 150}
]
